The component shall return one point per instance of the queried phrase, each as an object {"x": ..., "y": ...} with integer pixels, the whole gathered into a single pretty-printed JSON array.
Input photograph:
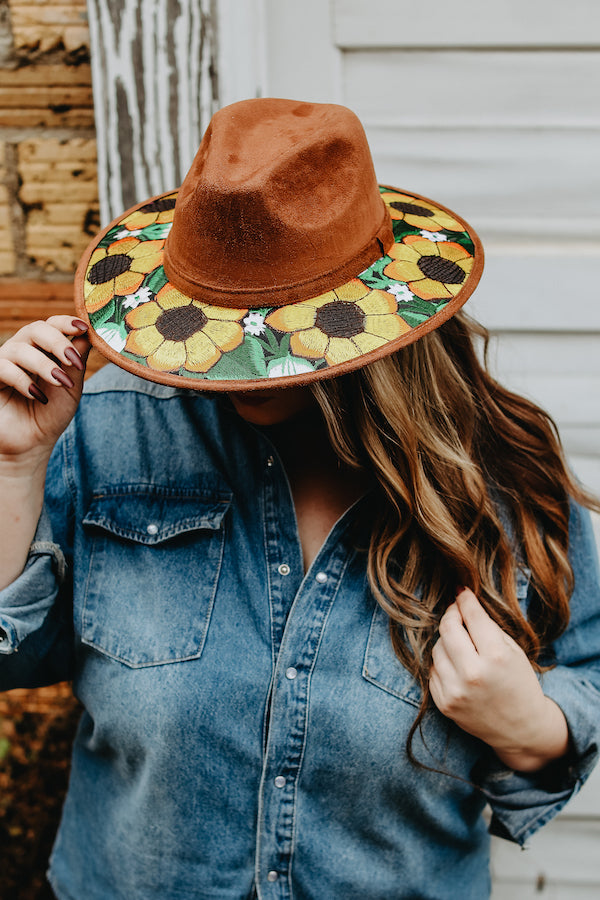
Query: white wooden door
[{"x": 494, "y": 110}]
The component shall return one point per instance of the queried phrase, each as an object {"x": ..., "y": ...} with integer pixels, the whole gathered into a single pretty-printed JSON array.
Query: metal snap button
[
  {"x": 280, "y": 781},
  {"x": 284, "y": 569},
  {"x": 291, "y": 673},
  {"x": 272, "y": 875},
  {"x": 152, "y": 528},
  {"x": 321, "y": 577}
]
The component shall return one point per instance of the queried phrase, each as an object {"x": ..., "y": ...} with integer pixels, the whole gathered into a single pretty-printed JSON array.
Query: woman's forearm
[
  {"x": 547, "y": 740},
  {"x": 21, "y": 499}
]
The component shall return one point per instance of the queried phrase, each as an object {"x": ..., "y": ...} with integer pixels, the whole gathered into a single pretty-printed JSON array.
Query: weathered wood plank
[
  {"x": 539, "y": 292},
  {"x": 24, "y": 301},
  {"x": 155, "y": 87},
  {"x": 465, "y": 23},
  {"x": 558, "y": 855},
  {"x": 514, "y": 185},
  {"x": 531, "y": 89}
]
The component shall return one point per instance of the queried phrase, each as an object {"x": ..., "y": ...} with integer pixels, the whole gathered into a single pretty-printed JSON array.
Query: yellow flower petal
[
  {"x": 98, "y": 254},
  {"x": 425, "y": 248},
  {"x": 170, "y": 298},
  {"x": 366, "y": 342},
  {"x": 201, "y": 353},
  {"x": 222, "y": 313},
  {"x": 428, "y": 289},
  {"x": 126, "y": 245},
  {"x": 144, "y": 341},
  {"x": 225, "y": 335},
  {"x": 139, "y": 220},
  {"x": 388, "y": 327},
  {"x": 403, "y": 252},
  {"x": 340, "y": 350},
  {"x": 147, "y": 256},
  {"x": 127, "y": 283},
  {"x": 352, "y": 291},
  {"x": 454, "y": 252},
  {"x": 443, "y": 220},
  {"x": 311, "y": 343},
  {"x": 403, "y": 270},
  {"x": 169, "y": 357},
  {"x": 378, "y": 303},
  {"x": 98, "y": 295},
  {"x": 321, "y": 300},
  {"x": 294, "y": 317},
  {"x": 144, "y": 314}
]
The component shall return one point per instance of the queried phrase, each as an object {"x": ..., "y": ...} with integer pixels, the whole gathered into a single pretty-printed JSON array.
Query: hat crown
[{"x": 281, "y": 203}]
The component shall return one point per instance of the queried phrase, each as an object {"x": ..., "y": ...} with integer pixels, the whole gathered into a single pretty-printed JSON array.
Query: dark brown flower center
[
  {"x": 109, "y": 267},
  {"x": 158, "y": 206},
  {"x": 340, "y": 319},
  {"x": 181, "y": 323},
  {"x": 412, "y": 209},
  {"x": 441, "y": 269}
]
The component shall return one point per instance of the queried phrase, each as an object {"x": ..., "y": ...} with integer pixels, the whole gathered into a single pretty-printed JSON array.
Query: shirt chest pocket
[
  {"x": 381, "y": 665},
  {"x": 154, "y": 560}
]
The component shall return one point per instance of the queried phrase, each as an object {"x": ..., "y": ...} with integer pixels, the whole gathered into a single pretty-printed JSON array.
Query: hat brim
[{"x": 141, "y": 322}]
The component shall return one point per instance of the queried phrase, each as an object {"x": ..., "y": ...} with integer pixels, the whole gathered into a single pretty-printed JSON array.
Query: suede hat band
[{"x": 279, "y": 260}]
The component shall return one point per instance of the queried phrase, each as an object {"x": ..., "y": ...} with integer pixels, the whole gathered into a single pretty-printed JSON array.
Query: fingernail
[
  {"x": 37, "y": 394},
  {"x": 74, "y": 358},
  {"x": 62, "y": 378},
  {"x": 80, "y": 324}
]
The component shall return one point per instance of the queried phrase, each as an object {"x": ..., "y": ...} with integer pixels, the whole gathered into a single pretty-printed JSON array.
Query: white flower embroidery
[
  {"x": 125, "y": 233},
  {"x": 254, "y": 323},
  {"x": 130, "y": 301},
  {"x": 401, "y": 292},
  {"x": 435, "y": 236},
  {"x": 113, "y": 336},
  {"x": 288, "y": 365}
]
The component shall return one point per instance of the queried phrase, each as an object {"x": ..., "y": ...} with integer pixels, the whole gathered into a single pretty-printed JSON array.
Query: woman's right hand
[{"x": 41, "y": 379}]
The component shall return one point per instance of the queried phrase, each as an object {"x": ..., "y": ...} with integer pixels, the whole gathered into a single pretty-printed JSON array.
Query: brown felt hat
[{"x": 278, "y": 261}]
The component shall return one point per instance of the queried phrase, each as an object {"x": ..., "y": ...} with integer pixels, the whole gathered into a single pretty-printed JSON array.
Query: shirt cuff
[
  {"x": 523, "y": 802},
  {"x": 25, "y": 603}
]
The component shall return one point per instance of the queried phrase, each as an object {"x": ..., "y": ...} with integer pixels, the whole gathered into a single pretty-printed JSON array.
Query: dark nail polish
[
  {"x": 62, "y": 377},
  {"x": 74, "y": 358},
  {"x": 37, "y": 394},
  {"x": 80, "y": 324}
]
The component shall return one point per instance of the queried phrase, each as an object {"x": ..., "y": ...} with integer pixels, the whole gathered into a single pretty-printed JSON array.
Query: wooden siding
[{"x": 465, "y": 23}]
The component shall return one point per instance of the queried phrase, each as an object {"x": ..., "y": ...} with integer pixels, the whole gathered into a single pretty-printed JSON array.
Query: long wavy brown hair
[{"x": 449, "y": 448}]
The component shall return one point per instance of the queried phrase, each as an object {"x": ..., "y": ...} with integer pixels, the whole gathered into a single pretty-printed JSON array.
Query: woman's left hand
[{"x": 483, "y": 681}]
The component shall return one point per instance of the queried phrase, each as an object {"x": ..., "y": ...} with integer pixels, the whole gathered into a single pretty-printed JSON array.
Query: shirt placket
[{"x": 288, "y": 719}]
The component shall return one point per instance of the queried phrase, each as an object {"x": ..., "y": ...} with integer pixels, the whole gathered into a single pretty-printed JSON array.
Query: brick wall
[{"x": 48, "y": 185}]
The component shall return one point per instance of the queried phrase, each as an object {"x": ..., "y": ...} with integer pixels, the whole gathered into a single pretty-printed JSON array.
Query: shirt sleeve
[
  {"x": 35, "y": 610},
  {"x": 523, "y": 802}
]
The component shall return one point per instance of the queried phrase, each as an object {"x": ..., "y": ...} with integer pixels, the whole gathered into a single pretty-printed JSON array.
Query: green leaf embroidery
[
  {"x": 103, "y": 315},
  {"x": 156, "y": 280},
  {"x": 246, "y": 361}
]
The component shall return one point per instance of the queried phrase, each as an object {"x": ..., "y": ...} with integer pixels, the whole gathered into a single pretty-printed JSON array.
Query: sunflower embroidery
[
  {"x": 173, "y": 332},
  {"x": 432, "y": 271},
  {"x": 341, "y": 324},
  {"x": 157, "y": 212},
  {"x": 418, "y": 213},
  {"x": 119, "y": 269}
]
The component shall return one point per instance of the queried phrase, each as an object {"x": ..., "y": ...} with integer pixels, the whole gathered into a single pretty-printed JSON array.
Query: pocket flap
[
  {"x": 381, "y": 665},
  {"x": 149, "y": 514}
]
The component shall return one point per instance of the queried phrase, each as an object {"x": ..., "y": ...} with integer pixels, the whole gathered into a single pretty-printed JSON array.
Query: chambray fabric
[{"x": 244, "y": 725}]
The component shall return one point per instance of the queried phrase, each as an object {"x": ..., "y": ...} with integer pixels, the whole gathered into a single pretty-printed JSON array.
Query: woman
[{"x": 314, "y": 630}]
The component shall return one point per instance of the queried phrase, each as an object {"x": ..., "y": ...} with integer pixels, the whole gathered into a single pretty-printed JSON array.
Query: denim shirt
[{"x": 244, "y": 727}]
